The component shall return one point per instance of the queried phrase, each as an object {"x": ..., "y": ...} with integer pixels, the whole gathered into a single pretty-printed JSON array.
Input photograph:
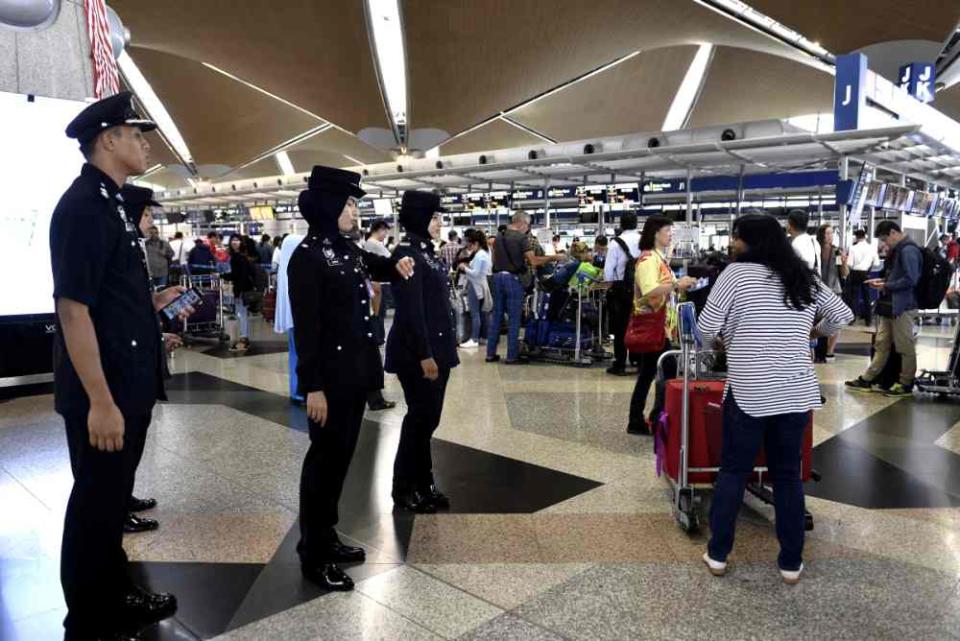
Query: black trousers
[
  {"x": 618, "y": 311},
  {"x": 324, "y": 469},
  {"x": 646, "y": 375},
  {"x": 413, "y": 466},
  {"x": 858, "y": 295},
  {"x": 93, "y": 565}
]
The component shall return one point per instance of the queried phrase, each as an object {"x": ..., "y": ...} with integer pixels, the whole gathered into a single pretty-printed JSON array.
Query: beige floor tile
[
  {"x": 507, "y": 585},
  {"x": 218, "y": 538},
  {"x": 474, "y": 538}
]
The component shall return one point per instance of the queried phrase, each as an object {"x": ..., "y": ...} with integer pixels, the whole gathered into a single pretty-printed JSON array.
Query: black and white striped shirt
[{"x": 768, "y": 343}]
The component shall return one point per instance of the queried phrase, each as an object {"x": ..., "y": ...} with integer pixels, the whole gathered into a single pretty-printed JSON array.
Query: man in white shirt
[
  {"x": 283, "y": 316},
  {"x": 180, "y": 249},
  {"x": 803, "y": 243},
  {"x": 374, "y": 244},
  {"x": 863, "y": 256},
  {"x": 625, "y": 248}
]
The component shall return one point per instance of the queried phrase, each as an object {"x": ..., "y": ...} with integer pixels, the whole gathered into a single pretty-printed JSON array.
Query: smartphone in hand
[{"x": 190, "y": 298}]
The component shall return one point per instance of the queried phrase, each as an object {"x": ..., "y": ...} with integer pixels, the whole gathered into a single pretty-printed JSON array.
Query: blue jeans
[
  {"x": 507, "y": 298},
  {"x": 478, "y": 319},
  {"x": 782, "y": 437},
  {"x": 243, "y": 316}
]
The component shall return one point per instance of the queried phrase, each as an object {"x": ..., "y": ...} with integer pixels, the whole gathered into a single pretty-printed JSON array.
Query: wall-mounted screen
[
  {"x": 37, "y": 164},
  {"x": 383, "y": 207}
]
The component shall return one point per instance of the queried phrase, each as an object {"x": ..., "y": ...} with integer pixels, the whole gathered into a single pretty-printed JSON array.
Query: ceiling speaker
[
  {"x": 728, "y": 134},
  {"x": 653, "y": 143}
]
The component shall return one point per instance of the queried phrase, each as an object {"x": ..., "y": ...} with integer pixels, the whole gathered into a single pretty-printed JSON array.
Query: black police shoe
[
  {"x": 102, "y": 636},
  {"x": 493, "y": 359},
  {"x": 141, "y": 505},
  {"x": 134, "y": 524},
  {"x": 143, "y": 608},
  {"x": 438, "y": 498},
  {"x": 339, "y": 553},
  {"x": 381, "y": 404},
  {"x": 328, "y": 576},
  {"x": 414, "y": 501}
]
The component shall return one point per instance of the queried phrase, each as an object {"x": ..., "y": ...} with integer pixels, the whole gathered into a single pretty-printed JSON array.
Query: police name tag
[{"x": 331, "y": 257}]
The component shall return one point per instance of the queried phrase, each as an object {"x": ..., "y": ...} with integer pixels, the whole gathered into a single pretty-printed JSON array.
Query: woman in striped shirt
[{"x": 764, "y": 308}]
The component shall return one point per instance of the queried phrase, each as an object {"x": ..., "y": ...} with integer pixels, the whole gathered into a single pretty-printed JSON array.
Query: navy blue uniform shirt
[
  {"x": 97, "y": 260},
  {"x": 423, "y": 326}
]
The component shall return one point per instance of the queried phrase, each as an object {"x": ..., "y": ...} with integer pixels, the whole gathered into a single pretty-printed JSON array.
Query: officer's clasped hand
[
  {"x": 171, "y": 342},
  {"x": 105, "y": 424},
  {"x": 405, "y": 267},
  {"x": 317, "y": 408},
  {"x": 430, "y": 370}
]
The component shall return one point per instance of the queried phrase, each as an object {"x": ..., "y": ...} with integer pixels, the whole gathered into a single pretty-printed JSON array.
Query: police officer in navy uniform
[
  {"x": 138, "y": 202},
  {"x": 107, "y": 370},
  {"x": 338, "y": 363},
  {"x": 421, "y": 350}
]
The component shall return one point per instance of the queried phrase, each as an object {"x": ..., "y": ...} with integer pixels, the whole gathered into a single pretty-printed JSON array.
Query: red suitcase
[{"x": 706, "y": 435}]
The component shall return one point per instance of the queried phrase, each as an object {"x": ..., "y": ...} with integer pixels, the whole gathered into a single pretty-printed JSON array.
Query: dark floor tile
[
  {"x": 36, "y": 389},
  {"x": 889, "y": 459},
  {"x": 257, "y": 348},
  {"x": 208, "y": 594}
]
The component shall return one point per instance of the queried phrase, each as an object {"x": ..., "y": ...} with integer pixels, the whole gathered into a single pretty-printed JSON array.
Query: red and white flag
[{"x": 106, "y": 79}]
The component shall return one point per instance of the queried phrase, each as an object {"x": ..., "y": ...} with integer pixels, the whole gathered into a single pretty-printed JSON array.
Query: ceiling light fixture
[
  {"x": 387, "y": 33},
  {"x": 766, "y": 24},
  {"x": 274, "y": 96},
  {"x": 310, "y": 133},
  {"x": 155, "y": 109},
  {"x": 283, "y": 162},
  {"x": 689, "y": 89},
  {"x": 529, "y": 130},
  {"x": 358, "y": 163}
]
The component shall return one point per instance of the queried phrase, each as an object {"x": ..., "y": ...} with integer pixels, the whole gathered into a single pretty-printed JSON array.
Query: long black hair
[
  {"x": 653, "y": 225},
  {"x": 767, "y": 245}
]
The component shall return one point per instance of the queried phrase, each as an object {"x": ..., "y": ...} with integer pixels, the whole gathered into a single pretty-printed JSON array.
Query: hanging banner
[{"x": 106, "y": 79}]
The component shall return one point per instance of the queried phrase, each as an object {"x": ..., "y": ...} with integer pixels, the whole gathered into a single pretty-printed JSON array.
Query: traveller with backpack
[
  {"x": 917, "y": 279},
  {"x": 619, "y": 269}
]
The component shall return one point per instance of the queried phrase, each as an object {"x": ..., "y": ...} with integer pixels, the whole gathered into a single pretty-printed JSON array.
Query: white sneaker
[
  {"x": 791, "y": 577},
  {"x": 470, "y": 343},
  {"x": 716, "y": 567}
]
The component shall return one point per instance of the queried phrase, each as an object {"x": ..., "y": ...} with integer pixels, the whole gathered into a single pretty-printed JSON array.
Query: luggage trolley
[
  {"x": 943, "y": 384},
  {"x": 206, "y": 322},
  {"x": 565, "y": 339},
  {"x": 686, "y": 502}
]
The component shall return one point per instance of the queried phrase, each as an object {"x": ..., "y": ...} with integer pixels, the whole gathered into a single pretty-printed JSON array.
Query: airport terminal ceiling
[{"x": 304, "y": 77}]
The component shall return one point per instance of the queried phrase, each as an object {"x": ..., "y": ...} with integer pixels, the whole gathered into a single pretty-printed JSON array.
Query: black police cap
[
  {"x": 420, "y": 201},
  {"x": 338, "y": 181},
  {"x": 103, "y": 114},
  {"x": 136, "y": 196}
]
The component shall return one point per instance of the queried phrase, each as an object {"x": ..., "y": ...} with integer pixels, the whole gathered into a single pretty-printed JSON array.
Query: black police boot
[
  {"x": 438, "y": 498},
  {"x": 141, "y": 505},
  {"x": 134, "y": 524},
  {"x": 378, "y": 404},
  {"x": 413, "y": 500},
  {"x": 336, "y": 552},
  {"x": 328, "y": 576},
  {"x": 143, "y": 608}
]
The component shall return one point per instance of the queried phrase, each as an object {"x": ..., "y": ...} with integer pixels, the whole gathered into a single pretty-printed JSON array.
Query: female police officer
[
  {"x": 339, "y": 359},
  {"x": 421, "y": 350}
]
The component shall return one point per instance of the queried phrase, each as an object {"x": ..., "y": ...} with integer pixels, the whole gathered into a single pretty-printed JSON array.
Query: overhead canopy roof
[{"x": 242, "y": 79}]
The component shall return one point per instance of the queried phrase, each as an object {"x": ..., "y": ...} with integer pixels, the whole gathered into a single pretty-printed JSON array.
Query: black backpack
[
  {"x": 934, "y": 280},
  {"x": 624, "y": 287}
]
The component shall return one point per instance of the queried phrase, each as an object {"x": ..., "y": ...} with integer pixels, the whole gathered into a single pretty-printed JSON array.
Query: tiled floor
[{"x": 560, "y": 528}]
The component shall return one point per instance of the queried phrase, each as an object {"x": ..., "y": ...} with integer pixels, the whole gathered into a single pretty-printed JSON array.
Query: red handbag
[{"x": 646, "y": 332}]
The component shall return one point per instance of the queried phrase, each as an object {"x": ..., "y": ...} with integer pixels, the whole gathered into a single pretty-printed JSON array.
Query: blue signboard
[
  {"x": 918, "y": 80},
  {"x": 849, "y": 95}
]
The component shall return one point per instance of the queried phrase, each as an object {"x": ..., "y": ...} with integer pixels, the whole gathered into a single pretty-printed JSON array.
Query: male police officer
[
  {"x": 421, "y": 350},
  {"x": 107, "y": 369},
  {"x": 338, "y": 359}
]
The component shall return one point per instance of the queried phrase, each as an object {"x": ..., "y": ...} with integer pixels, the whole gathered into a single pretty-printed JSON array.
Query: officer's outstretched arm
[
  {"x": 305, "y": 284},
  {"x": 383, "y": 269}
]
